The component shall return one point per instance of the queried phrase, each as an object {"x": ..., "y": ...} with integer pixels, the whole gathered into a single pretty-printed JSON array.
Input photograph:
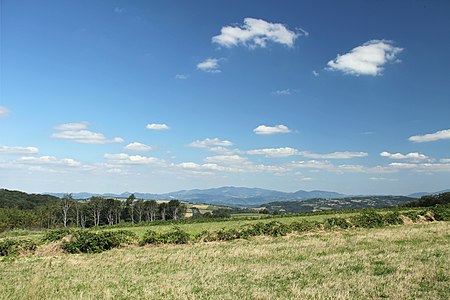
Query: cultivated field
[{"x": 395, "y": 262}]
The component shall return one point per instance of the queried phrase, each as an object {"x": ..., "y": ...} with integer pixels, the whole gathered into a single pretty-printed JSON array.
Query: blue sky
[{"x": 157, "y": 96}]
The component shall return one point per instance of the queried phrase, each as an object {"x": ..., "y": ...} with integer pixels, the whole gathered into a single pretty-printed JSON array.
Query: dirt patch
[
  {"x": 406, "y": 220},
  {"x": 50, "y": 249}
]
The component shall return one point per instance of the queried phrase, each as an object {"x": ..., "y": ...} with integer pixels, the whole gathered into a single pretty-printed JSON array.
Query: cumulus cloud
[
  {"x": 445, "y": 160},
  {"x": 123, "y": 158},
  {"x": 157, "y": 127},
  {"x": 3, "y": 111},
  {"x": 256, "y": 33},
  {"x": 431, "y": 137},
  {"x": 210, "y": 65},
  {"x": 315, "y": 73},
  {"x": 18, "y": 150},
  {"x": 266, "y": 130},
  {"x": 367, "y": 59},
  {"x": 413, "y": 156},
  {"x": 274, "y": 152},
  {"x": 50, "y": 160},
  {"x": 334, "y": 155},
  {"x": 78, "y": 132},
  {"x": 210, "y": 142},
  {"x": 181, "y": 76},
  {"x": 138, "y": 147}
]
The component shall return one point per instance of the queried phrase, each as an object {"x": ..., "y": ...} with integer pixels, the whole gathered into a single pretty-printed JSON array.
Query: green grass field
[{"x": 395, "y": 262}]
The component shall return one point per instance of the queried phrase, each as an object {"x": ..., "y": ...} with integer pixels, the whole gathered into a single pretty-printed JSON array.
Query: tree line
[{"x": 97, "y": 211}]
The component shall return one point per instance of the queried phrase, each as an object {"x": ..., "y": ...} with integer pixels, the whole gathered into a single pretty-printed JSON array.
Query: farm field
[
  {"x": 395, "y": 262},
  {"x": 196, "y": 228}
]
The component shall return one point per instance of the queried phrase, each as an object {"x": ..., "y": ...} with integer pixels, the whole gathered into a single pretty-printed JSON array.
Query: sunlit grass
[{"x": 396, "y": 262}]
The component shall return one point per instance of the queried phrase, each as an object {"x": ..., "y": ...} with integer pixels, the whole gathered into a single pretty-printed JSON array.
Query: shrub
[
  {"x": 336, "y": 222},
  {"x": 275, "y": 228},
  {"x": 206, "y": 236},
  {"x": 301, "y": 226},
  {"x": 441, "y": 212},
  {"x": 150, "y": 237},
  {"x": 56, "y": 235},
  {"x": 90, "y": 242},
  {"x": 14, "y": 247},
  {"x": 227, "y": 234},
  {"x": 368, "y": 219},
  {"x": 175, "y": 236},
  {"x": 392, "y": 218}
]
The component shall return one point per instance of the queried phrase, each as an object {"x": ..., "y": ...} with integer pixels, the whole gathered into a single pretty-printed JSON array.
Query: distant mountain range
[
  {"x": 421, "y": 194},
  {"x": 233, "y": 196}
]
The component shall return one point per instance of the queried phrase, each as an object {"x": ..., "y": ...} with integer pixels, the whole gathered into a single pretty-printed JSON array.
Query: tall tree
[
  {"x": 173, "y": 207},
  {"x": 130, "y": 206},
  {"x": 66, "y": 203},
  {"x": 139, "y": 207},
  {"x": 163, "y": 210}
]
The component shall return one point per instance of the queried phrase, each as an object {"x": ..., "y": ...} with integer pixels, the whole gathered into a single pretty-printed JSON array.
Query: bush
[
  {"x": 14, "y": 247},
  {"x": 301, "y": 226},
  {"x": 441, "y": 212},
  {"x": 336, "y": 222},
  {"x": 175, "y": 236},
  {"x": 228, "y": 234},
  {"x": 56, "y": 235},
  {"x": 275, "y": 228},
  {"x": 392, "y": 218},
  {"x": 368, "y": 219},
  {"x": 89, "y": 242}
]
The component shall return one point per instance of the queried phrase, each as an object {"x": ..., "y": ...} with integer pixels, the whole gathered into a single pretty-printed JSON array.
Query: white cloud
[
  {"x": 157, "y": 127},
  {"x": 266, "y": 130},
  {"x": 138, "y": 147},
  {"x": 50, "y": 160},
  {"x": 413, "y": 156},
  {"x": 315, "y": 73},
  {"x": 210, "y": 142},
  {"x": 367, "y": 59},
  {"x": 423, "y": 167},
  {"x": 445, "y": 160},
  {"x": 340, "y": 169},
  {"x": 256, "y": 33},
  {"x": 78, "y": 132},
  {"x": 286, "y": 92},
  {"x": 119, "y": 10},
  {"x": 274, "y": 152},
  {"x": 382, "y": 179},
  {"x": 210, "y": 65},
  {"x": 123, "y": 158},
  {"x": 72, "y": 126},
  {"x": 3, "y": 111},
  {"x": 181, "y": 76},
  {"x": 18, "y": 150},
  {"x": 227, "y": 159},
  {"x": 334, "y": 155},
  {"x": 431, "y": 137}
]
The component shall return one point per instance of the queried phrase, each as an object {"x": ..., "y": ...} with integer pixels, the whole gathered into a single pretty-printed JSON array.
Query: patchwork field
[{"x": 395, "y": 262}]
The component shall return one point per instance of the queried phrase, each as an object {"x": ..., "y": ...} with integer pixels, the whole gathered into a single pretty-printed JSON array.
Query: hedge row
[
  {"x": 14, "y": 247},
  {"x": 85, "y": 241}
]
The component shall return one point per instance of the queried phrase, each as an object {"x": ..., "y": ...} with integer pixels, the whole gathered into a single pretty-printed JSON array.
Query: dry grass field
[{"x": 395, "y": 262}]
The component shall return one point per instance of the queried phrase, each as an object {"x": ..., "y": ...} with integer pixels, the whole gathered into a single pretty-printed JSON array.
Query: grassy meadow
[{"x": 395, "y": 262}]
